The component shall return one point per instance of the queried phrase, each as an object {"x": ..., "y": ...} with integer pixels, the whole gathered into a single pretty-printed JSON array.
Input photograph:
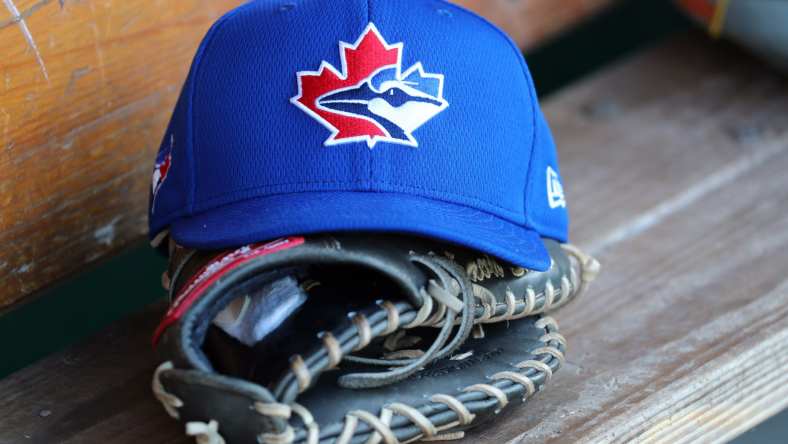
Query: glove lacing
[{"x": 453, "y": 283}]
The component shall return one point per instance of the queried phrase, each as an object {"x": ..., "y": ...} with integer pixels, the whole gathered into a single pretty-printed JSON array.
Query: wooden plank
[
  {"x": 674, "y": 162},
  {"x": 97, "y": 393},
  {"x": 679, "y": 188},
  {"x": 531, "y": 22},
  {"x": 660, "y": 130},
  {"x": 86, "y": 89}
]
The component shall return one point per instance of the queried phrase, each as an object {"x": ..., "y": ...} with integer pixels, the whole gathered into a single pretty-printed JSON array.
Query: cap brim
[{"x": 266, "y": 218}]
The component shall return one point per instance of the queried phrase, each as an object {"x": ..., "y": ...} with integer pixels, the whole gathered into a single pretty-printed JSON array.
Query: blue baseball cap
[{"x": 412, "y": 116}]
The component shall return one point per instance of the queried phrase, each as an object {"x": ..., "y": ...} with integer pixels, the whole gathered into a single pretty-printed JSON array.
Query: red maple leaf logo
[{"x": 360, "y": 60}]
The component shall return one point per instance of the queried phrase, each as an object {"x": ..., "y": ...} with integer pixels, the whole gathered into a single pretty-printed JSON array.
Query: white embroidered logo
[{"x": 555, "y": 191}]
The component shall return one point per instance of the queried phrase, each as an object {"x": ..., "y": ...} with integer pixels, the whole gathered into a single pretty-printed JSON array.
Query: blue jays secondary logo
[
  {"x": 161, "y": 169},
  {"x": 371, "y": 100}
]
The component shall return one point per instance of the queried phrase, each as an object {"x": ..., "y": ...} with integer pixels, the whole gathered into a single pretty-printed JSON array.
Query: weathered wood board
[
  {"x": 675, "y": 165},
  {"x": 86, "y": 88}
]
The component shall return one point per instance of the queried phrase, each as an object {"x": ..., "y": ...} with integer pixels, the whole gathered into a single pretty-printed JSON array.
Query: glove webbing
[{"x": 451, "y": 278}]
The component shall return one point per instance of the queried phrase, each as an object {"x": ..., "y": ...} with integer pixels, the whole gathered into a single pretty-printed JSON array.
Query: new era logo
[{"x": 555, "y": 191}]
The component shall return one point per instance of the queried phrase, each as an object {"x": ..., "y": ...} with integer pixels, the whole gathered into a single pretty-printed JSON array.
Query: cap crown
[{"x": 416, "y": 97}]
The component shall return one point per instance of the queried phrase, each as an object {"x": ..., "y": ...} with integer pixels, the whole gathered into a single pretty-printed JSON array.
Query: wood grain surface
[
  {"x": 86, "y": 88},
  {"x": 674, "y": 162}
]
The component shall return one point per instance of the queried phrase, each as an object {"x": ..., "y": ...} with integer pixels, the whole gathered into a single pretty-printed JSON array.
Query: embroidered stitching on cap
[{"x": 371, "y": 100}]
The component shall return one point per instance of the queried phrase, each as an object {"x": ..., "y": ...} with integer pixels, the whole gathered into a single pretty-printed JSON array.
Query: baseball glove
[{"x": 356, "y": 338}]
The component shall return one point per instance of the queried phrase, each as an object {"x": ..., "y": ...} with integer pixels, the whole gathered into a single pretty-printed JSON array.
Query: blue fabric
[{"x": 249, "y": 164}]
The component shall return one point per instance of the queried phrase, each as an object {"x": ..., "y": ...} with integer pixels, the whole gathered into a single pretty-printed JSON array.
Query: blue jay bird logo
[
  {"x": 160, "y": 169},
  {"x": 371, "y": 99}
]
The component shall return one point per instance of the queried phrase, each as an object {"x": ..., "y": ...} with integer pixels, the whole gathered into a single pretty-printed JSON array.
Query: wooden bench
[{"x": 675, "y": 162}]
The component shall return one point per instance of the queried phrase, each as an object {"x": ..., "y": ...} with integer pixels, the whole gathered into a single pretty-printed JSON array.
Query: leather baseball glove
[{"x": 356, "y": 338}]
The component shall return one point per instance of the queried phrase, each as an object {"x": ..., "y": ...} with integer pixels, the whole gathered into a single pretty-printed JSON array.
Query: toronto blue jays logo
[
  {"x": 161, "y": 168},
  {"x": 371, "y": 100}
]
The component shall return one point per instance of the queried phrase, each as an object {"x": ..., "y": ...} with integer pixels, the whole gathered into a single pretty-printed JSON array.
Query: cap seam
[
  {"x": 507, "y": 213},
  {"x": 397, "y": 192},
  {"x": 357, "y": 182},
  {"x": 529, "y": 81},
  {"x": 528, "y": 178}
]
